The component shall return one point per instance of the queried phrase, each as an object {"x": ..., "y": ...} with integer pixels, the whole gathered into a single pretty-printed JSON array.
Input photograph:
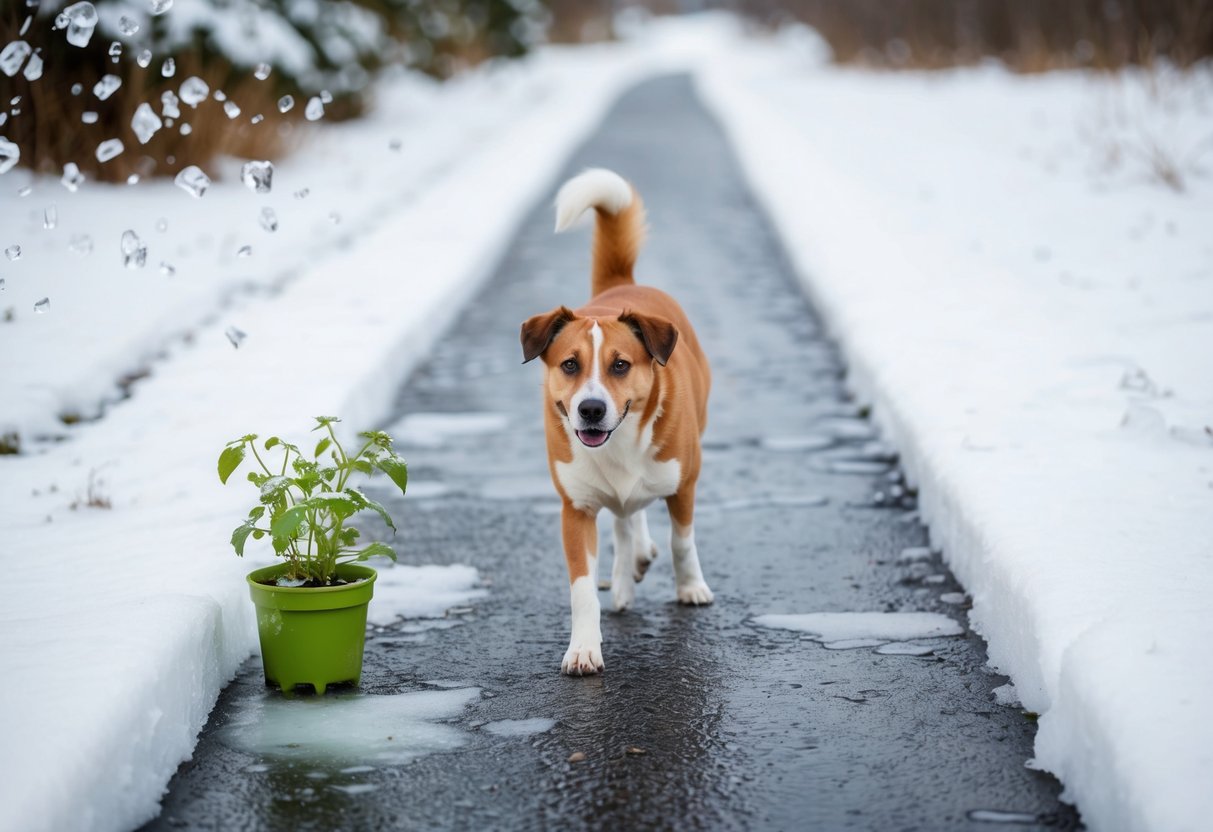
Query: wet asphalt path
[{"x": 729, "y": 726}]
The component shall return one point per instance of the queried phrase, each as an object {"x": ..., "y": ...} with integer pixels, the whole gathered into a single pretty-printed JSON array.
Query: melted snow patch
[
  {"x": 434, "y": 430},
  {"x": 519, "y": 727},
  {"x": 879, "y": 627},
  {"x": 422, "y": 592},
  {"x": 358, "y": 729}
]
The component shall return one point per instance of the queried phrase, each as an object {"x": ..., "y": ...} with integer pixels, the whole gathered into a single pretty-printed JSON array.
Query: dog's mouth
[{"x": 594, "y": 438}]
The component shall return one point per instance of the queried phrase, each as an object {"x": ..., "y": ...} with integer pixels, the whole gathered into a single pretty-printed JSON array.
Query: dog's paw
[
  {"x": 623, "y": 591},
  {"x": 643, "y": 561},
  {"x": 582, "y": 660},
  {"x": 695, "y": 594}
]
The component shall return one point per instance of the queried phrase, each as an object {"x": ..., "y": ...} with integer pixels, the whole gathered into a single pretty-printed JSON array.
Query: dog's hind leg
[
  {"x": 688, "y": 577},
  {"x": 642, "y": 545}
]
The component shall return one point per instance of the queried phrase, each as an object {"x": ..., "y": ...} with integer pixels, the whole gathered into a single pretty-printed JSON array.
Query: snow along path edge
[
  {"x": 97, "y": 753},
  {"x": 1120, "y": 675}
]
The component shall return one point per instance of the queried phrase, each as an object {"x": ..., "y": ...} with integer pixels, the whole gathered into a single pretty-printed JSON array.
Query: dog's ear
[
  {"x": 657, "y": 334},
  {"x": 538, "y": 331}
]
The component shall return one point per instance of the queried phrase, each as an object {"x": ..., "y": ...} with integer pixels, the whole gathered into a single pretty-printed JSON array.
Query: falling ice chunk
[
  {"x": 3, "y": 118},
  {"x": 42, "y": 305},
  {"x": 134, "y": 252},
  {"x": 108, "y": 149},
  {"x": 235, "y": 336},
  {"x": 167, "y": 269},
  {"x": 127, "y": 26},
  {"x": 50, "y": 217},
  {"x": 10, "y": 154},
  {"x": 269, "y": 220},
  {"x": 326, "y": 97},
  {"x": 219, "y": 95},
  {"x": 245, "y": 251},
  {"x": 193, "y": 180},
  {"x": 104, "y": 88},
  {"x": 315, "y": 109},
  {"x": 169, "y": 68},
  {"x": 231, "y": 109},
  {"x": 80, "y": 20},
  {"x": 33, "y": 70},
  {"x": 145, "y": 123},
  {"x": 115, "y": 51},
  {"x": 394, "y": 144},
  {"x": 285, "y": 103},
  {"x": 13, "y": 252},
  {"x": 80, "y": 244},
  {"x": 169, "y": 104},
  {"x": 13, "y": 57},
  {"x": 160, "y": 6},
  {"x": 77, "y": 89},
  {"x": 24, "y": 190},
  {"x": 144, "y": 58},
  {"x": 261, "y": 72},
  {"x": 185, "y": 129},
  {"x": 194, "y": 90},
  {"x": 302, "y": 193},
  {"x": 257, "y": 119},
  {"x": 89, "y": 117},
  {"x": 72, "y": 177},
  {"x": 133, "y": 179},
  {"x": 258, "y": 177}
]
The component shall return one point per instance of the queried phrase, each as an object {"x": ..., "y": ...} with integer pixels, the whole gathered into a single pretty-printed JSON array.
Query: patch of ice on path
[
  {"x": 433, "y": 430},
  {"x": 421, "y": 591},
  {"x": 519, "y": 727},
  {"x": 856, "y": 626},
  {"x": 1007, "y": 695},
  {"x": 383, "y": 730}
]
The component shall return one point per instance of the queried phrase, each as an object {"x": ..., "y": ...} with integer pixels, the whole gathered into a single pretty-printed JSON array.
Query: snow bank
[
  {"x": 129, "y": 619},
  {"x": 1035, "y": 334}
]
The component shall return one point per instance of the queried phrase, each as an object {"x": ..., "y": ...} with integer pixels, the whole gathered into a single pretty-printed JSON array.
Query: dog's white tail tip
[{"x": 593, "y": 188}]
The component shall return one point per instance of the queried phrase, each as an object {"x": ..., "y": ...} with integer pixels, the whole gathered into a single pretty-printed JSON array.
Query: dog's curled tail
[{"x": 619, "y": 229}]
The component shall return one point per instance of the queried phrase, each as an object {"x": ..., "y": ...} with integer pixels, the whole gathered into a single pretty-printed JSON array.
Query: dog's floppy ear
[
  {"x": 538, "y": 331},
  {"x": 658, "y": 335}
]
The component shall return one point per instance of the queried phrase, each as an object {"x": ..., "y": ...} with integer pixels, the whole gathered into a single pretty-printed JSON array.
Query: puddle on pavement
[
  {"x": 998, "y": 816},
  {"x": 855, "y": 630},
  {"x": 350, "y": 731},
  {"x": 435, "y": 430},
  {"x": 518, "y": 727}
]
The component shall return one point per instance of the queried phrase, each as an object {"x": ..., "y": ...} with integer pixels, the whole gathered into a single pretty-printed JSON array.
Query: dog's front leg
[
  {"x": 580, "y": 533},
  {"x": 688, "y": 576}
]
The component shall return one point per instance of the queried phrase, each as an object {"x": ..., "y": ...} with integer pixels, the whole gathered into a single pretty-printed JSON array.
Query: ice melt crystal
[
  {"x": 315, "y": 109},
  {"x": 235, "y": 336},
  {"x": 145, "y": 123},
  {"x": 127, "y": 26},
  {"x": 108, "y": 149},
  {"x": 269, "y": 220},
  {"x": 134, "y": 252},
  {"x": 231, "y": 109},
  {"x": 261, "y": 72},
  {"x": 258, "y": 177},
  {"x": 169, "y": 68},
  {"x": 104, "y": 88},
  {"x": 194, "y": 90},
  {"x": 160, "y": 6},
  {"x": 13, "y": 56},
  {"x": 80, "y": 19},
  {"x": 192, "y": 180},
  {"x": 72, "y": 178},
  {"x": 170, "y": 104},
  {"x": 42, "y": 305},
  {"x": 10, "y": 154},
  {"x": 285, "y": 103},
  {"x": 33, "y": 70},
  {"x": 13, "y": 252}
]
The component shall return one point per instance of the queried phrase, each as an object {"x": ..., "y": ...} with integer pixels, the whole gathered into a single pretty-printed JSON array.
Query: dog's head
[{"x": 599, "y": 369}]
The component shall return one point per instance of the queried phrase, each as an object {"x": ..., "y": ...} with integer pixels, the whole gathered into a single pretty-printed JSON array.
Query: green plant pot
[{"x": 312, "y": 636}]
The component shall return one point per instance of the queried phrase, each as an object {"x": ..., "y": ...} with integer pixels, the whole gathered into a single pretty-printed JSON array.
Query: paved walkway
[{"x": 729, "y": 725}]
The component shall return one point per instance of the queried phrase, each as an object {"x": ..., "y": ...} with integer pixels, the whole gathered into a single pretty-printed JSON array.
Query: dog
[{"x": 625, "y": 398}]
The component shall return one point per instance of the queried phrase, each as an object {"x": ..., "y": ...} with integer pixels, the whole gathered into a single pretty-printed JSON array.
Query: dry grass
[{"x": 1027, "y": 35}]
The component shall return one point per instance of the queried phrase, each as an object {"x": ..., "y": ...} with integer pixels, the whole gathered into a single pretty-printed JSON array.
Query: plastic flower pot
[{"x": 312, "y": 635}]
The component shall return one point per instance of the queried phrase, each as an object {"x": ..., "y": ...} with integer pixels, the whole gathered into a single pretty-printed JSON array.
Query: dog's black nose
[{"x": 592, "y": 410}]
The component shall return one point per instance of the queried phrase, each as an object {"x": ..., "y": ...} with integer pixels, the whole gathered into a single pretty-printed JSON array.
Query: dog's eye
[
  {"x": 620, "y": 367},
  {"x": 570, "y": 367}
]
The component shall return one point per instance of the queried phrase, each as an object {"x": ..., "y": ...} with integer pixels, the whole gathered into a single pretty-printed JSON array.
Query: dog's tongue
[{"x": 592, "y": 438}]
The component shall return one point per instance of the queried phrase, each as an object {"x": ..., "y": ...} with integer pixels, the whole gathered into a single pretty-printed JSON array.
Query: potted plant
[{"x": 311, "y": 608}]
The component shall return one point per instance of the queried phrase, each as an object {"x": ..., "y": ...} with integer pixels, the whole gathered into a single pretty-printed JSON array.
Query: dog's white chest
[{"x": 624, "y": 475}]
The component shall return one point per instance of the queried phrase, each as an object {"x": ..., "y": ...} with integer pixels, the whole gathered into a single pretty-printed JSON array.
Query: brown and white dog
[{"x": 625, "y": 404}]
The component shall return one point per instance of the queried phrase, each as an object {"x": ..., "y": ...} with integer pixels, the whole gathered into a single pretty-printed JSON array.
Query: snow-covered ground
[{"x": 1034, "y": 331}]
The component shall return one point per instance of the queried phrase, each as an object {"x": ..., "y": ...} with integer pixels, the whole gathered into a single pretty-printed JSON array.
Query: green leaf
[
  {"x": 367, "y": 502},
  {"x": 378, "y": 437},
  {"x": 341, "y": 505},
  {"x": 274, "y": 488},
  {"x": 271, "y": 442},
  {"x": 359, "y": 465},
  {"x": 258, "y": 534},
  {"x": 256, "y": 513},
  {"x": 240, "y": 535},
  {"x": 322, "y": 446},
  {"x": 374, "y": 550},
  {"x": 395, "y": 468},
  {"x": 230, "y": 460},
  {"x": 324, "y": 421},
  {"x": 287, "y": 524}
]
